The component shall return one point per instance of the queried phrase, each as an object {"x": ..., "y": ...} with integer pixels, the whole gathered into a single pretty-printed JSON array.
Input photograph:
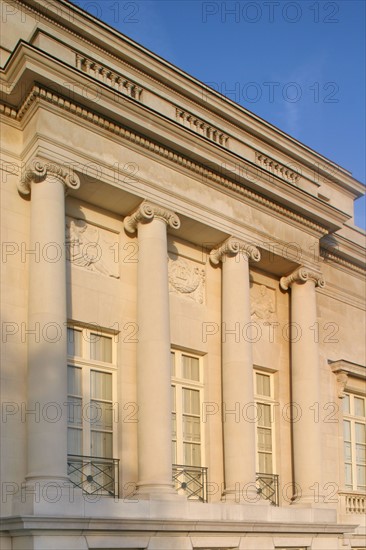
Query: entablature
[
  {"x": 249, "y": 137},
  {"x": 28, "y": 65}
]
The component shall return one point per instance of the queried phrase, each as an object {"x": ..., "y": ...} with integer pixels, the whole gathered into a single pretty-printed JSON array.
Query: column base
[
  {"x": 243, "y": 495},
  {"x": 312, "y": 501},
  {"x": 157, "y": 491}
]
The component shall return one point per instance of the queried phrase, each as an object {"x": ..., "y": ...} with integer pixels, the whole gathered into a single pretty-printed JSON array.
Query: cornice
[
  {"x": 302, "y": 275},
  {"x": 173, "y": 79},
  {"x": 41, "y": 93},
  {"x": 233, "y": 247},
  {"x": 38, "y": 170},
  {"x": 335, "y": 258},
  {"x": 351, "y": 369},
  {"x": 114, "y": 525},
  {"x": 146, "y": 212}
]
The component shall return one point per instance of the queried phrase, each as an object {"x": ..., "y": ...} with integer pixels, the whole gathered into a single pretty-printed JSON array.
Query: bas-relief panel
[
  {"x": 91, "y": 247},
  {"x": 262, "y": 303},
  {"x": 186, "y": 278}
]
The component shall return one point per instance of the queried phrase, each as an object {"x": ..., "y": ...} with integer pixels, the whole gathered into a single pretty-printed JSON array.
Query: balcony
[
  {"x": 353, "y": 502},
  {"x": 94, "y": 475},
  {"x": 191, "y": 481},
  {"x": 267, "y": 487}
]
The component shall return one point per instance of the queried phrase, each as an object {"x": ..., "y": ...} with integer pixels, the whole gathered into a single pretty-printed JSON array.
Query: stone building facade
[{"x": 183, "y": 309}]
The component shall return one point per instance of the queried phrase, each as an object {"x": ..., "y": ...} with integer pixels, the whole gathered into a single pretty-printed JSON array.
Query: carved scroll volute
[
  {"x": 302, "y": 275},
  {"x": 39, "y": 169},
  {"x": 233, "y": 247},
  {"x": 146, "y": 212}
]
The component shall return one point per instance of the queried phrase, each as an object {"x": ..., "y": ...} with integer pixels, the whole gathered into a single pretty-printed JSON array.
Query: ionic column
[
  {"x": 47, "y": 342},
  {"x": 237, "y": 370},
  {"x": 153, "y": 348},
  {"x": 305, "y": 384}
]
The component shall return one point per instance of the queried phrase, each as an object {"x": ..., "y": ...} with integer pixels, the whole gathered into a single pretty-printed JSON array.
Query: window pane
[
  {"x": 74, "y": 411},
  {"x": 101, "y": 385},
  {"x": 174, "y": 452},
  {"x": 264, "y": 439},
  {"x": 265, "y": 463},
  {"x": 100, "y": 348},
  {"x": 348, "y": 475},
  {"x": 346, "y": 404},
  {"x": 361, "y": 454},
  {"x": 174, "y": 404},
  {"x": 172, "y": 363},
  {"x": 263, "y": 384},
  {"x": 174, "y": 426},
  {"x": 360, "y": 432},
  {"x": 359, "y": 406},
  {"x": 101, "y": 415},
  {"x": 74, "y": 381},
  {"x": 192, "y": 454},
  {"x": 191, "y": 401},
  {"x": 361, "y": 477},
  {"x": 74, "y": 341},
  {"x": 347, "y": 430},
  {"x": 190, "y": 368},
  {"x": 101, "y": 444},
  {"x": 191, "y": 428},
  {"x": 74, "y": 441},
  {"x": 347, "y": 451},
  {"x": 264, "y": 415}
]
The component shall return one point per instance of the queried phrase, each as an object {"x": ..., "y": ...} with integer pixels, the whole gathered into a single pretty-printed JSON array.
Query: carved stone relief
[
  {"x": 186, "y": 278},
  {"x": 91, "y": 247},
  {"x": 262, "y": 303}
]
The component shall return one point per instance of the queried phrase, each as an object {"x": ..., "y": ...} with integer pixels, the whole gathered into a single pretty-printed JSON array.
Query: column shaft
[
  {"x": 153, "y": 350},
  {"x": 238, "y": 408},
  {"x": 153, "y": 359},
  {"x": 305, "y": 386},
  {"x": 237, "y": 380},
  {"x": 47, "y": 353}
]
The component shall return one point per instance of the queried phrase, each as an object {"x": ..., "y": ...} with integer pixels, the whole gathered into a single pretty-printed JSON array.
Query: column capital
[
  {"x": 146, "y": 212},
  {"x": 38, "y": 170},
  {"x": 232, "y": 247},
  {"x": 302, "y": 275}
]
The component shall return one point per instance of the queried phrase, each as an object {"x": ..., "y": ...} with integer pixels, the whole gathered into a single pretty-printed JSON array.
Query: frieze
[
  {"x": 262, "y": 303},
  {"x": 90, "y": 247},
  {"x": 186, "y": 278},
  {"x": 39, "y": 93}
]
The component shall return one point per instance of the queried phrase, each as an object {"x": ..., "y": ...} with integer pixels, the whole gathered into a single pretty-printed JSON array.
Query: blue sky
[{"x": 299, "y": 65}]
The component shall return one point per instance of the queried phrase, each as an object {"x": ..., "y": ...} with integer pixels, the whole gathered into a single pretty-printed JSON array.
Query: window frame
[
  {"x": 179, "y": 384},
  {"x": 353, "y": 419},
  {"x": 270, "y": 401},
  {"x": 87, "y": 366}
]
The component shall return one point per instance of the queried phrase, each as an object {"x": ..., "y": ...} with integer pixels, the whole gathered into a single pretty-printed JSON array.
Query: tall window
[
  {"x": 354, "y": 437},
  {"x": 91, "y": 372},
  {"x": 263, "y": 390},
  {"x": 187, "y": 387}
]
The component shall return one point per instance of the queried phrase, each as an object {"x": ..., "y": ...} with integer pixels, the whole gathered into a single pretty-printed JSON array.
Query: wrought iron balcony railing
[
  {"x": 191, "y": 481},
  {"x": 267, "y": 487},
  {"x": 94, "y": 475}
]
